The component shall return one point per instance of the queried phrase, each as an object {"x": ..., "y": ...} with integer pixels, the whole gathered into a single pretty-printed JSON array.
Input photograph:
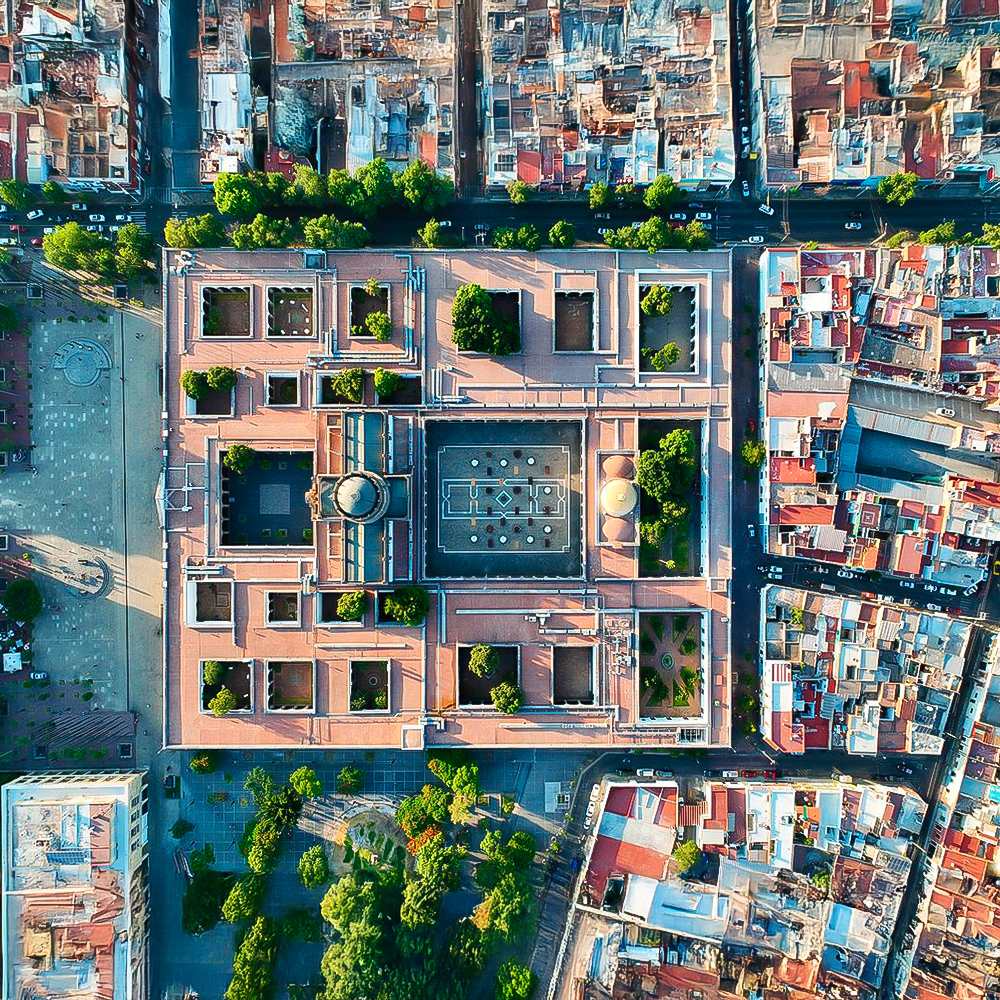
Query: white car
[
  {"x": 444, "y": 223},
  {"x": 845, "y": 574},
  {"x": 36, "y": 213},
  {"x": 755, "y": 239},
  {"x": 766, "y": 209},
  {"x": 3, "y": 209},
  {"x": 49, "y": 229},
  {"x": 703, "y": 216},
  {"x": 852, "y": 225},
  {"x": 93, "y": 229},
  {"x": 604, "y": 232},
  {"x": 140, "y": 111},
  {"x": 746, "y": 190},
  {"x": 128, "y": 218},
  {"x": 678, "y": 217},
  {"x": 95, "y": 218},
  {"x": 907, "y": 584},
  {"x": 933, "y": 607},
  {"x": 603, "y": 215},
  {"x": 78, "y": 206},
  {"x": 750, "y": 531},
  {"x": 944, "y": 411}
]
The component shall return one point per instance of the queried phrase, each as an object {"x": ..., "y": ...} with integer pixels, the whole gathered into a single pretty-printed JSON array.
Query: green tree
[
  {"x": 239, "y": 458},
  {"x": 53, "y": 192},
  {"x": 8, "y": 319},
  {"x": 386, "y": 382},
  {"x": 437, "y": 873},
  {"x": 307, "y": 188},
  {"x": 654, "y": 234},
  {"x": 16, "y": 193},
  {"x": 222, "y": 378},
  {"x": 300, "y": 923},
  {"x": 306, "y": 782},
  {"x": 71, "y": 246},
  {"x": 696, "y": 236},
  {"x": 263, "y": 233},
  {"x": 666, "y": 472},
  {"x": 203, "y": 762},
  {"x": 515, "y": 981},
  {"x": 236, "y": 194},
  {"x": 753, "y": 453},
  {"x": 313, "y": 867},
  {"x": 253, "y": 964},
  {"x": 422, "y": 189},
  {"x": 282, "y": 809},
  {"x": 201, "y": 905},
  {"x": 991, "y": 235},
  {"x": 181, "y": 828},
  {"x": 244, "y": 899},
  {"x": 379, "y": 326},
  {"x": 352, "y": 606},
  {"x": 658, "y": 301},
  {"x": 466, "y": 949},
  {"x": 599, "y": 196},
  {"x": 350, "y": 780},
  {"x": 375, "y": 189},
  {"x": 407, "y": 605},
  {"x": 661, "y": 194},
  {"x": 341, "y": 188},
  {"x": 328, "y": 233},
  {"x": 223, "y": 703},
  {"x": 899, "y": 188},
  {"x": 431, "y": 234},
  {"x": 22, "y": 600},
  {"x": 507, "y": 698},
  {"x": 508, "y": 912},
  {"x": 519, "y": 192},
  {"x": 662, "y": 359},
  {"x": 133, "y": 249},
  {"x": 899, "y": 239},
  {"x": 562, "y": 234},
  {"x": 416, "y": 813},
  {"x": 686, "y": 855},
  {"x": 212, "y": 672},
  {"x": 197, "y": 231},
  {"x": 478, "y": 327},
  {"x": 821, "y": 878},
  {"x": 626, "y": 194},
  {"x": 483, "y": 660}
]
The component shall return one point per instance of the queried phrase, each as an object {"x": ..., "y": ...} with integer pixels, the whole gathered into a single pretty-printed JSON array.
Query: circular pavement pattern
[{"x": 82, "y": 361}]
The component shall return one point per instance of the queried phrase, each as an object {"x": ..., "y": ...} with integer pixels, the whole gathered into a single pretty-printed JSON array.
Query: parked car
[
  {"x": 944, "y": 411},
  {"x": 771, "y": 774},
  {"x": 766, "y": 209},
  {"x": 39, "y": 675},
  {"x": 730, "y": 774},
  {"x": 444, "y": 223},
  {"x": 602, "y": 215},
  {"x": 35, "y": 213},
  {"x": 933, "y": 607},
  {"x": 36, "y": 241},
  {"x": 907, "y": 584},
  {"x": 852, "y": 225},
  {"x": 703, "y": 216},
  {"x": 855, "y": 215},
  {"x": 748, "y": 774},
  {"x": 755, "y": 239},
  {"x": 78, "y": 206},
  {"x": 746, "y": 190},
  {"x": 93, "y": 229},
  {"x": 3, "y": 209},
  {"x": 750, "y": 531},
  {"x": 678, "y": 217},
  {"x": 49, "y": 229},
  {"x": 141, "y": 49},
  {"x": 140, "y": 110},
  {"x": 128, "y": 218},
  {"x": 16, "y": 228},
  {"x": 845, "y": 574},
  {"x": 96, "y": 218},
  {"x": 604, "y": 232},
  {"x": 645, "y": 772}
]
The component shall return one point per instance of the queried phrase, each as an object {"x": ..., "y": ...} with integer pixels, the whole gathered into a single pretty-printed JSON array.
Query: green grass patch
[
  {"x": 654, "y": 684},
  {"x": 656, "y": 623}
]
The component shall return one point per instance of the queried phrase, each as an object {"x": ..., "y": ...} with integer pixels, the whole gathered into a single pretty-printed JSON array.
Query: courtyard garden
[
  {"x": 489, "y": 675},
  {"x": 670, "y": 665},
  {"x": 666, "y": 329},
  {"x": 226, "y": 686}
]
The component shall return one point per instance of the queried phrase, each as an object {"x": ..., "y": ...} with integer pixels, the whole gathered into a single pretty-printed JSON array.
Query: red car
[
  {"x": 15, "y": 228},
  {"x": 36, "y": 241},
  {"x": 748, "y": 774},
  {"x": 751, "y": 425},
  {"x": 771, "y": 774}
]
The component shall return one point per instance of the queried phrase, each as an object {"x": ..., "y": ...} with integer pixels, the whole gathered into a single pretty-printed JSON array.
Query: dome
[
  {"x": 356, "y": 496},
  {"x": 619, "y": 497},
  {"x": 617, "y": 529},
  {"x": 618, "y": 467}
]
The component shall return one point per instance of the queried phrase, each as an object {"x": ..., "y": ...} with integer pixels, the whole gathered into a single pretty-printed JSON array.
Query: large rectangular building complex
[{"x": 407, "y": 501}]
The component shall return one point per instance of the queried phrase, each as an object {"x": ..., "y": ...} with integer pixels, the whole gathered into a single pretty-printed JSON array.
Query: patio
[
  {"x": 475, "y": 690},
  {"x": 266, "y": 504},
  {"x": 369, "y": 685},
  {"x": 290, "y": 312},
  {"x": 670, "y": 670},
  {"x": 291, "y": 685}
]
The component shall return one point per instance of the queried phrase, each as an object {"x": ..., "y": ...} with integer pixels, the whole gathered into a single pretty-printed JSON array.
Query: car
[
  {"x": 602, "y": 215},
  {"x": 750, "y": 530},
  {"x": 755, "y": 239},
  {"x": 821, "y": 569},
  {"x": 128, "y": 218},
  {"x": 971, "y": 591},
  {"x": 78, "y": 206},
  {"x": 868, "y": 595},
  {"x": 664, "y": 774},
  {"x": 730, "y": 774},
  {"x": 114, "y": 229},
  {"x": 933, "y": 607},
  {"x": 16, "y": 228},
  {"x": 645, "y": 772},
  {"x": 748, "y": 774},
  {"x": 604, "y": 232},
  {"x": 695, "y": 204},
  {"x": 745, "y": 129},
  {"x": 35, "y": 213},
  {"x": 855, "y": 215},
  {"x": 38, "y": 675},
  {"x": 444, "y": 223},
  {"x": 771, "y": 774},
  {"x": 95, "y": 218},
  {"x": 766, "y": 209},
  {"x": 141, "y": 49},
  {"x": 93, "y": 229},
  {"x": 36, "y": 241},
  {"x": 930, "y": 588},
  {"x": 907, "y": 584},
  {"x": 703, "y": 216},
  {"x": 481, "y": 227},
  {"x": 3, "y": 209},
  {"x": 904, "y": 770},
  {"x": 746, "y": 189},
  {"x": 845, "y": 574},
  {"x": 678, "y": 217},
  {"x": 945, "y": 411},
  {"x": 48, "y": 229},
  {"x": 745, "y": 153},
  {"x": 996, "y": 568},
  {"x": 852, "y": 225}
]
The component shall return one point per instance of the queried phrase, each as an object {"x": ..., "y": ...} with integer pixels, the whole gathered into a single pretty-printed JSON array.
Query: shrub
[
  {"x": 22, "y": 600},
  {"x": 381, "y": 700},
  {"x": 180, "y": 828},
  {"x": 407, "y": 605},
  {"x": 483, "y": 660},
  {"x": 313, "y": 868},
  {"x": 562, "y": 234},
  {"x": 223, "y": 703},
  {"x": 203, "y": 763},
  {"x": 599, "y": 196},
  {"x": 201, "y": 906},
  {"x": 515, "y": 981},
  {"x": 306, "y": 783},
  {"x": 212, "y": 672},
  {"x": 519, "y": 192},
  {"x": 221, "y": 378},
  {"x": 194, "y": 384},
  {"x": 386, "y": 382},
  {"x": 239, "y": 458},
  {"x": 688, "y": 646},
  {"x": 350, "y": 780},
  {"x": 432, "y": 234},
  {"x": 379, "y": 326},
  {"x": 253, "y": 964},
  {"x": 350, "y": 384},
  {"x": 507, "y": 698},
  {"x": 351, "y": 607},
  {"x": 53, "y": 192},
  {"x": 662, "y": 359},
  {"x": 658, "y": 301}
]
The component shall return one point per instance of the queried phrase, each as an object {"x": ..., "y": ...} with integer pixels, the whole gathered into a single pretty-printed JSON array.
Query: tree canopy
[
  {"x": 899, "y": 188},
  {"x": 686, "y": 854},
  {"x": 477, "y": 326},
  {"x": 661, "y": 194},
  {"x": 196, "y": 231},
  {"x": 73, "y": 247},
  {"x": 562, "y": 234},
  {"x": 422, "y": 189},
  {"x": 22, "y": 600}
]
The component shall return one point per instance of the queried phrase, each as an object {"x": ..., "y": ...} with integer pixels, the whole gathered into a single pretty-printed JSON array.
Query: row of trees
[
  {"x": 73, "y": 247},
  {"x": 946, "y": 234},
  {"x": 20, "y": 196},
  {"x": 325, "y": 232},
  {"x": 655, "y": 234},
  {"x": 369, "y": 190}
]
